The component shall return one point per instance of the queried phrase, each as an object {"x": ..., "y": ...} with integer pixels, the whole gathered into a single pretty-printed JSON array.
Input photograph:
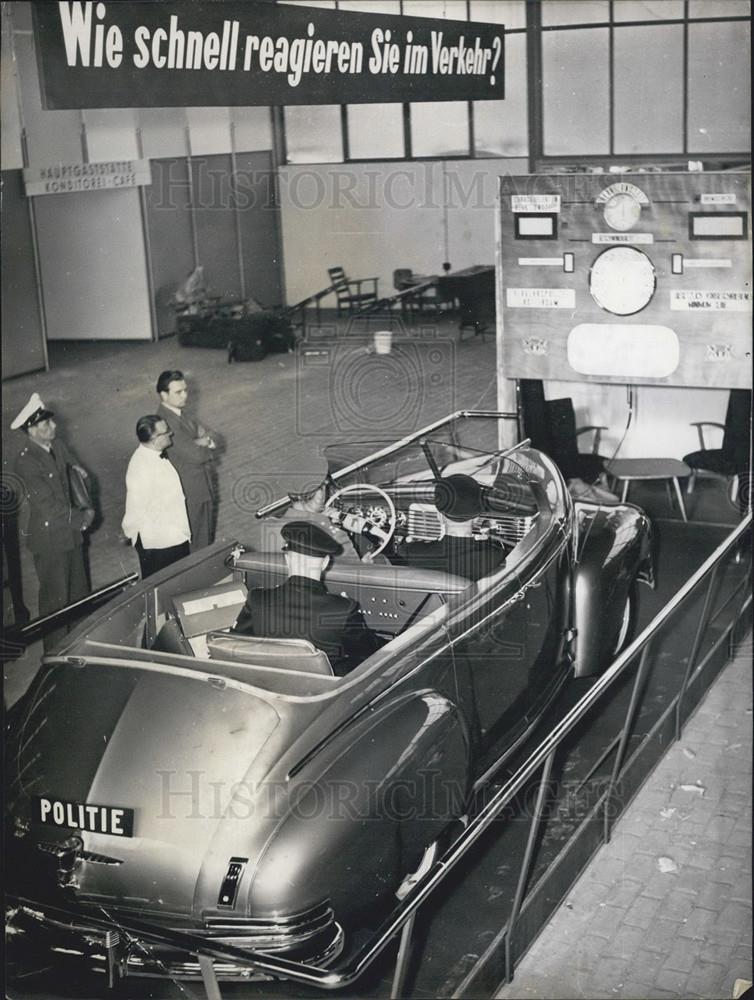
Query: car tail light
[{"x": 229, "y": 887}]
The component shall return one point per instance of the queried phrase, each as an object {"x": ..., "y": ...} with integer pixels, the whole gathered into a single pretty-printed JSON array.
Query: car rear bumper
[{"x": 116, "y": 947}]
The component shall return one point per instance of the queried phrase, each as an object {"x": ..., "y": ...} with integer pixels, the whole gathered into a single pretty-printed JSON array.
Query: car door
[{"x": 508, "y": 649}]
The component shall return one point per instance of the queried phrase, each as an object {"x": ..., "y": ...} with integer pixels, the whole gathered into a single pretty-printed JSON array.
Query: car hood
[{"x": 171, "y": 746}]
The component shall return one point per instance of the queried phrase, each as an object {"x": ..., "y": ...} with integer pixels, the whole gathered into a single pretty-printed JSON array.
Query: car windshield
[
  {"x": 465, "y": 445},
  {"x": 469, "y": 438}
]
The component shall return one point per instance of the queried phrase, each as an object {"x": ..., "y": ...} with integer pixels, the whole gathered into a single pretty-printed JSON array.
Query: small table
[{"x": 626, "y": 470}]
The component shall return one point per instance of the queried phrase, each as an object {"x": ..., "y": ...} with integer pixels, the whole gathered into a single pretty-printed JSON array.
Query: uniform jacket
[
  {"x": 302, "y": 608},
  {"x": 48, "y": 522},
  {"x": 192, "y": 460}
]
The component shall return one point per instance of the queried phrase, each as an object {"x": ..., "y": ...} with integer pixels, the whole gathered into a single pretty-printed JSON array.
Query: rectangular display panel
[
  {"x": 717, "y": 225},
  {"x": 661, "y": 244},
  {"x": 536, "y": 226}
]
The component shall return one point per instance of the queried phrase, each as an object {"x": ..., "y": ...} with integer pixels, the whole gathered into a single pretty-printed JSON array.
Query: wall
[
  {"x": 23, "y": 341},
  {"x": 374, "y": 217},
  {"x": 661, "y": 422}
]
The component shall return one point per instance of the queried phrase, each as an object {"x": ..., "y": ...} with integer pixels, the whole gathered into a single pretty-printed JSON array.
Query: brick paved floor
[{"x": 665, "y": 909}]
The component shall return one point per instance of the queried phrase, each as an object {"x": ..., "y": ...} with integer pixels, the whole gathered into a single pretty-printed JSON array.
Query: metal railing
[
  {"x": 540, "y": 762},
  {"x": 17, "y": 637}
]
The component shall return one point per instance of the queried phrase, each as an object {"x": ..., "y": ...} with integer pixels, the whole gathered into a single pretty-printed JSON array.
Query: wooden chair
[
  {"x": 551, "y": 425},
  {"x": 425, "y": 296},
  {"x": 733, "y": 459},
  {"x": 348, "y": 291}
]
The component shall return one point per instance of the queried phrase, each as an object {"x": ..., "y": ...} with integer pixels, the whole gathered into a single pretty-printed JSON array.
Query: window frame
[{"x": 537, "y": 158}]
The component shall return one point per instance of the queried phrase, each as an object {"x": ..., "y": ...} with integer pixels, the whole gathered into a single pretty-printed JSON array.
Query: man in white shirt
[{"x": 155, "y": 521}]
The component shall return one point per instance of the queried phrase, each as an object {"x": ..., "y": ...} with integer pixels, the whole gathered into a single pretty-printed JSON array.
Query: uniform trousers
[{"x": 62, "y": 580}]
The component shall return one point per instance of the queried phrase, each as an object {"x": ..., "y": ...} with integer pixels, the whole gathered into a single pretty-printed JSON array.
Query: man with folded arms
[{"x": 192, "y": 454}]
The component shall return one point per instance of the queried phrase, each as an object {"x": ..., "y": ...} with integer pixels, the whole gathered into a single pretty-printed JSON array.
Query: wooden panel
[
  {"x": 93, "y": 264},
  {"x": 23, "y": 343},
  {"x": 170, "y": 236},
  {"x": 259, "y": 220},
  {"x": 216, "y": 225},
  {"x": 643, "y": 271}
]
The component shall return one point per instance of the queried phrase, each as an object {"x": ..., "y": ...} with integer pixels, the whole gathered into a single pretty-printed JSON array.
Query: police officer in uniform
[
  {"x": 302, "y": 607},
  {"x": 307, "y": 491},
  {"x": 51, "y": 525}
]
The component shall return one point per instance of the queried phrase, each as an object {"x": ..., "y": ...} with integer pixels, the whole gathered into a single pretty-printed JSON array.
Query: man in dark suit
[
  {"x": 191, "y": 454},
  {"x": 51, "y": 525},
  {"x": 302, "y": 607}
]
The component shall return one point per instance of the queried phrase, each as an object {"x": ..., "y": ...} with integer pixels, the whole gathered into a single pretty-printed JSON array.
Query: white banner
[{"x": 67, "y": 178}]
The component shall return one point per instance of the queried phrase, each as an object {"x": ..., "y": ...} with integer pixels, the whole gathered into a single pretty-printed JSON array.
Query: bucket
[{"x": 383, "y": 341}]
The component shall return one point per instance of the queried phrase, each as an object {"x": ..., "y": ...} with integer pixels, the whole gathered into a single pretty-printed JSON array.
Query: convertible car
[{"x": 166, "y": 770}]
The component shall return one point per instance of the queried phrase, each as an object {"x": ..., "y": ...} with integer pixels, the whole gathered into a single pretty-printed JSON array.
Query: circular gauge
[
  {"x": 622, "y": 212},
  {"x": 622, "y": 280},
  {"x": 621, "y": 205}
]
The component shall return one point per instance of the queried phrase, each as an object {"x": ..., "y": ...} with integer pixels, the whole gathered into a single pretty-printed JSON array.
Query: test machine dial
[
  {"x": 622, "y": 280},
  {"x": 621, "y": 205}
]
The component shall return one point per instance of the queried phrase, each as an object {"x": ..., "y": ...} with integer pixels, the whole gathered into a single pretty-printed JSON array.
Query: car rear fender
[
  {"x": 612, "y": 551},
  {"x": 360, "y": 813}
]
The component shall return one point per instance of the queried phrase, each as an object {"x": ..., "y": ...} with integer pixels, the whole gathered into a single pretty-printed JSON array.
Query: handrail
[
  {"x": 389, "y": 300},
  {"x": 27, "y": 632},
  {"x": 408, "y": 906},
  {"x": 315, "y": 297}
]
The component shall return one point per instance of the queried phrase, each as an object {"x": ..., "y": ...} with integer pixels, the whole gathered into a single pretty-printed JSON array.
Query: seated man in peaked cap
[
  {"x": 302, "y": 607},
  {"x": 307, "y": 490},
  {"x": 458, "y": 500}
]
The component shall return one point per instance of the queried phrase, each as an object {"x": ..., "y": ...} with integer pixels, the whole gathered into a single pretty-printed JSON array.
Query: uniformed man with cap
[
  {"x": 50, "y": 523},
  {"x": 302, "y": 607},
  {"x": 307, "y": 490}
]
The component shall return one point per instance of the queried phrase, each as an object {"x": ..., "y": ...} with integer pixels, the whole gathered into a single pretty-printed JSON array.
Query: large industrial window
[
  {"x": 450, "y": 129},
  {"x": 576, "y": 114},
  {"x": 620, "y": 79},
  {"x": 643, "y": 79},
  {"x": 636, "y": 90},
  {"x": 719, "y": 96}
]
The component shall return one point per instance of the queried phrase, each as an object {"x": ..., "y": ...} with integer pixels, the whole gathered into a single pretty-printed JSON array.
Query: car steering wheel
[{"x": 372, "y": 529}]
